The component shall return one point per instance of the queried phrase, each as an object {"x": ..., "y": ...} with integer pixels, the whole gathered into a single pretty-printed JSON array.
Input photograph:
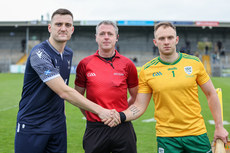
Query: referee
[{"x": 106, "y": 76}]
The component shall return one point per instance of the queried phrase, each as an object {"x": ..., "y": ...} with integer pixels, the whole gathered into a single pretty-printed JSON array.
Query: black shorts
[{"x": 100, "y": 138}]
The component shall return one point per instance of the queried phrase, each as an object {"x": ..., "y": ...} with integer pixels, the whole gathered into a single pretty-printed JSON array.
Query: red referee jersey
[{"x": 106, "y": 82}]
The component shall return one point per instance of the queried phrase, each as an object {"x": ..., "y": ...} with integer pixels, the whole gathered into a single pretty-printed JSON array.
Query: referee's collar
[{"x": 117, "y": 55}]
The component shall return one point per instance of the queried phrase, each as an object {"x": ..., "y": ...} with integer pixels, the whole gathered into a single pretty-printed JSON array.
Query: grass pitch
[{"x": 10, "y": 92}]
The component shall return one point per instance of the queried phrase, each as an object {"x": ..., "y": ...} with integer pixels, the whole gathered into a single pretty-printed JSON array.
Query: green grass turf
[{"x": 10, "y": 92}]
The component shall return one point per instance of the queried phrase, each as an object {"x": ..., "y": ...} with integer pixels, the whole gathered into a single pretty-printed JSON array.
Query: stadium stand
[{"x": 135, "y": 41}]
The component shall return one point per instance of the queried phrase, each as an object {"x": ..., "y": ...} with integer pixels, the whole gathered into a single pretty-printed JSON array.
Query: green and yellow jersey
[{"x": 175, "y": 93}]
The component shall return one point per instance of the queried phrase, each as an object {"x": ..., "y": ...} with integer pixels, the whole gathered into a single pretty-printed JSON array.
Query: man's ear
[
  {"x": 177, "y": 39},
  {"x": 49, "y": 27},
  {"x": 96, "y": 37},
  {"x": 117, "y": 37},
  {"x": 154, "y": 41}
]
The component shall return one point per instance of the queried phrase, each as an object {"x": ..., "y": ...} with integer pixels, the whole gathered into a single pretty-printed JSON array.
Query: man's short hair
[
  {"x": 62, "y": 11},
  {"x": 164, "y": 25},
  {"x": 107, "y": 22}
]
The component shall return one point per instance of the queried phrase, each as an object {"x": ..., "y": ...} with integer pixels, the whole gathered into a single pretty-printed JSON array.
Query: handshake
[{"x": 111, "y": 117}]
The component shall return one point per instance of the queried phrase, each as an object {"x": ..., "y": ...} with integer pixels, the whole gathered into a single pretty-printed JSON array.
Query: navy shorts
[
  {"x": 100, "y": 138},
  {"x": 40, "y": 143}
]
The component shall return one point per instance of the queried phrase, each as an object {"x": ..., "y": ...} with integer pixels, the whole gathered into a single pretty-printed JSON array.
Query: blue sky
[{"x": 170, "y": 10}]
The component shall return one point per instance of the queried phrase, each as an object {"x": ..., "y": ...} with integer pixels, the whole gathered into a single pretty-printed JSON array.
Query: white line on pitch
[
  {"x": 213, "y": 122},
  {"x": 149, "y": 120},
  {"x": 7, "y": 108}
]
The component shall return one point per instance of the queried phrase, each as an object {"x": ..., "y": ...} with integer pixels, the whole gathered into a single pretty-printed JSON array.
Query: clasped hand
[{"x": 110, "y": 117}]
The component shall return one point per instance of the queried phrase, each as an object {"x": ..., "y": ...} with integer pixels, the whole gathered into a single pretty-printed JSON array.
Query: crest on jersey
[
  {"x": 91, "y": 74},
  {"x": 188, "y": 70}
]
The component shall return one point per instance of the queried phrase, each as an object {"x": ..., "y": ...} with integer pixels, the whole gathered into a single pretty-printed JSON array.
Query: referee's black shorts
[{"x": 100, "y": 138}]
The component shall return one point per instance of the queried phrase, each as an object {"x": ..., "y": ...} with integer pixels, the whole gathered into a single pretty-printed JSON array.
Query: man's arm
[
  {"x": 138, "y": 107},
  {"x": 214, "y": 105},
  {"x": 75, "y": 98},
  {"x": 82, "y": 92},
  {"x": 132, "y": 95}
]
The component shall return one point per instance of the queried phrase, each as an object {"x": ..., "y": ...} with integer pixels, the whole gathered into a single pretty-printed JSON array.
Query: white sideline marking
[
  {"x": 149, "y": 120},
  {"x": 4, "y": 109},
  {"x": 213, "y": 122}
]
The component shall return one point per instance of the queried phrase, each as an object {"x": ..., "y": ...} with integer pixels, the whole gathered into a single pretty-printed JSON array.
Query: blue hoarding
[{"x": 135, "y": 23}]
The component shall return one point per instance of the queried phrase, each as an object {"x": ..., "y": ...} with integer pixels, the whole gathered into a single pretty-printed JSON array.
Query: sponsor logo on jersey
[
  {"x": 121, "y": 74},
  {"x": 91, "y": 74},
  {"x": 39, "y": 53},
  {"x": 157, "y": 74},
  {"x": 57, "y": 67},
  {"x": 188, "y": 70},
  {"x": 174, "y": 68},
  {"x": 161, "y": 150}
]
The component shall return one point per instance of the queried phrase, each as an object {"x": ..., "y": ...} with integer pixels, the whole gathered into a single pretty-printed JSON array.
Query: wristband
[{"x": 122, "y": 117}]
